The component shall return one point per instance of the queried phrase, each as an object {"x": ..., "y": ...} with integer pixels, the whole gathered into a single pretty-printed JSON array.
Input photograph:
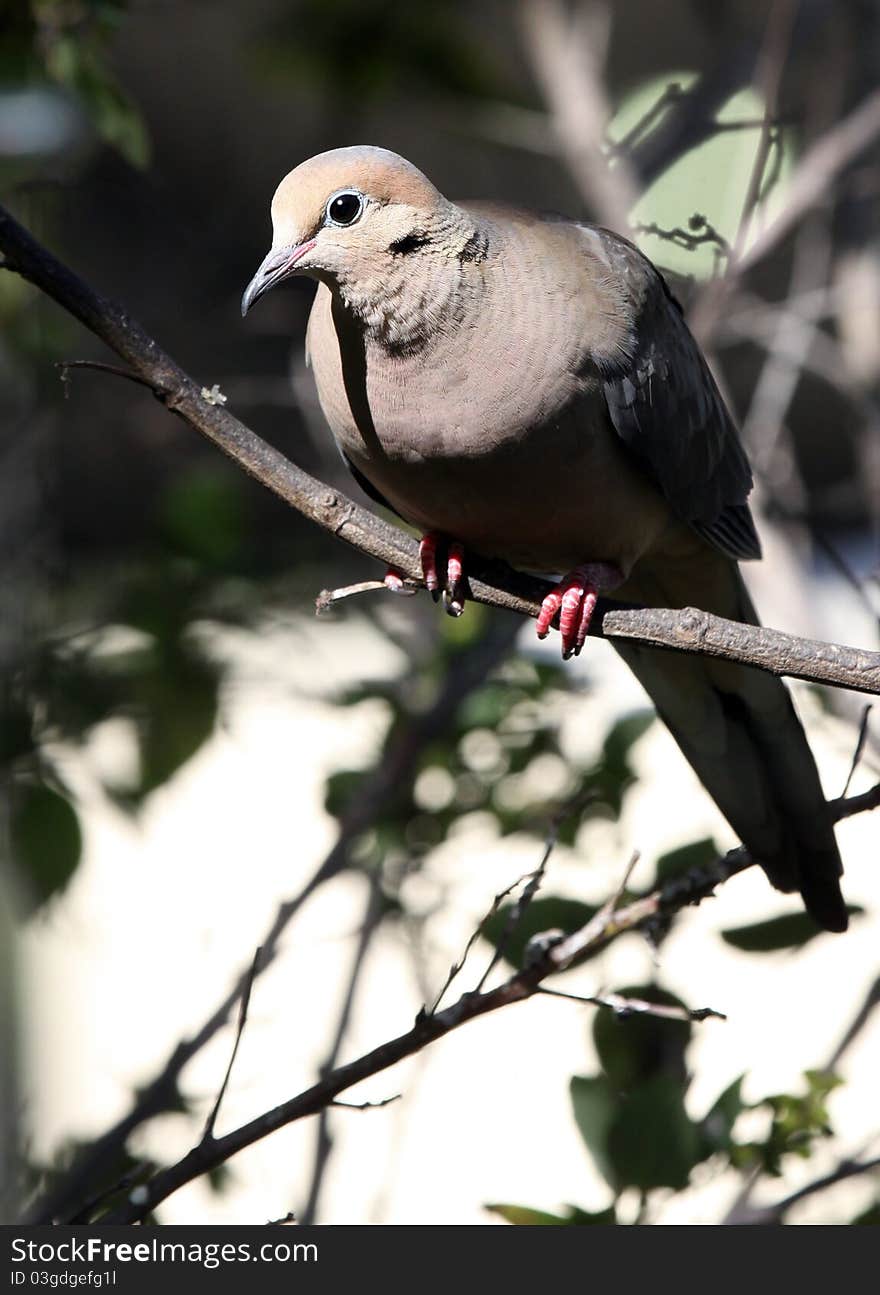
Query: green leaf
[
  {"x": 179, "y": 710},
  {"x": 76, "y": 62},
  {"x": 651, "y": 1141},
  {"x": 624, "y": 734},
  {"x": 46, "y": 840},
  {"x": 339, "y": 789},
  {"x": 202, "y": 516},
  {"x": 634, "y": 1048},
  {"x": 868, "y": 1216},
  {"x": 790, "y": 931},
  {"x": 675, "y": 863},
  {"x": 609, "y": 779},
  {"x": 595, "y": 1105},
  {"x": 797, "y": 1123},
  {"x": 523, "y": 1216},
  {"x": 546, "y": 913},
  {"x": 717, "y": 1125}
]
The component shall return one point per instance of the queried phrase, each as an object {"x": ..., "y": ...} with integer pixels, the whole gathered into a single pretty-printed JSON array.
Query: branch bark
[{"x": 492, "y": 583}]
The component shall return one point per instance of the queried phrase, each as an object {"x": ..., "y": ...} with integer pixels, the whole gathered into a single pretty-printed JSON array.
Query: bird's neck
[{"x": 424, "y": 289}]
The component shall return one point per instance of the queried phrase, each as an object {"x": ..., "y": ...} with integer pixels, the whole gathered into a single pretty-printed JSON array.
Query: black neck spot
[{"x": 409, "y": 243}]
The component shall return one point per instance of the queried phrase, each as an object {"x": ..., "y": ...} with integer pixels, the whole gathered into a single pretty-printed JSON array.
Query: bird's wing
[{"x": 666, "y": 408}]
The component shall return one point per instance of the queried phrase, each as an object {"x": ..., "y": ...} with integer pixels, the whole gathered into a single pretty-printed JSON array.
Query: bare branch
[
  {"x": 376, "y": 790},
  {"x": 771, "y": 65},
  {"x": 323, "y": 1139},
  {"x": 623, "y": 1006},
  {"x": 243, "y": 1006},
  {"x": 428, "y": 1027},
  {"x": 817, "y": 171},
  {"x": 763, "y": 1214},
  {"x": 860, "y": 748},
  {"x": 497, "y": 586},
  {"x": 367, "y": 1106},
  {"x": 869, "y": 1005},
  {"x": 566, "y": 54},
  {"x": 692, "y": 630}
]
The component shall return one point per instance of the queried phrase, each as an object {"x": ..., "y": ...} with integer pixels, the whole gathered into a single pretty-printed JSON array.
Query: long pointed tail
[{"x": 738, "y": 729}]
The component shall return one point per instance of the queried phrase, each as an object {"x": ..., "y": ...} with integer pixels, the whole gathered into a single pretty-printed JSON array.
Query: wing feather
[{"x": 667, "y": 409}]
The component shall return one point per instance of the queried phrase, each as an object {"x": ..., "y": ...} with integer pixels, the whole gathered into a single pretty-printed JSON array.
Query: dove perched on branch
[{"x": 526, "y": 387}]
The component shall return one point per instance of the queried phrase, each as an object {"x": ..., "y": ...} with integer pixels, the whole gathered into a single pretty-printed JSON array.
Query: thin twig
[
  {"x": 869, "y": 1005},
  {"x": 558, "y": 956},
  {"x": 64, "y": 367},
  {"x": 323, "y": 1141},
  {"x": 860, "y": 748},
  {"x": 774, "y": 1213},
  {"x": 239, "y": 1030},
  {"x": 376, "y": 791},
  {"x": 816, "y": 172},
  {"x": 623, "y": 1006},
  {"x": 327, "y": 598},
  {"x": 492, "y": 583},
  {"x": 286, "y": 1219},
  {"x": 457, "y": 967},
  {"x": 367, "y": 1106},
  {"x": 770, "y": 68},
  {"x": 699, "y": 232}
]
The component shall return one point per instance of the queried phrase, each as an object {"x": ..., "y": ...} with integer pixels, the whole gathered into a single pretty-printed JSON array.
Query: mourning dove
[{"x": 526, "y": 387}]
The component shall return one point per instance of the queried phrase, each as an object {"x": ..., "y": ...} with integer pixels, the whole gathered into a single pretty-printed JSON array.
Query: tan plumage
[{"x": 527, "y": 386}]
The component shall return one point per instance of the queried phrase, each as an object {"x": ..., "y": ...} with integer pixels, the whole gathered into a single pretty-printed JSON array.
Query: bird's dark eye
[{"x": 344, "y": 208}]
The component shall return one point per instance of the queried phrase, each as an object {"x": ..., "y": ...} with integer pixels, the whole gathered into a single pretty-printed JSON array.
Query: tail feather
[{"x": 738, "y": 729}]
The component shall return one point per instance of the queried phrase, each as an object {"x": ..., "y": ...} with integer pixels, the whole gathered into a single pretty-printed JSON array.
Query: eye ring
[{"x": 344, "y": 208}]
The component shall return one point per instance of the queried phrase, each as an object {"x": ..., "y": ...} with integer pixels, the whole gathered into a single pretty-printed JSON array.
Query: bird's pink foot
[
  {"x": 574, "y": 600},
  {"x": 452, "y": 584}
]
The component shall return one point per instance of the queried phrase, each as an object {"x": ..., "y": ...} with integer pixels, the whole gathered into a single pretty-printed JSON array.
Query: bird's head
[{"x": 347, "y": 216}]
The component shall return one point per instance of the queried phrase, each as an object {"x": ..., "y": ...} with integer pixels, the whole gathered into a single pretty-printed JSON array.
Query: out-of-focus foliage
[
  {"x": 636, "y": 1124},
  {"x": 133, "y": 583},
  {"x": 720, "y": 168},
  {"x": 789, "y": 931},
  {"x": 361, "y": 50},
  {"x": 68, "y": 43}
]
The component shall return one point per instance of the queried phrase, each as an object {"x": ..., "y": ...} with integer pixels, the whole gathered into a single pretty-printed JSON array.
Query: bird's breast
[{"x": 503, "y": 445}]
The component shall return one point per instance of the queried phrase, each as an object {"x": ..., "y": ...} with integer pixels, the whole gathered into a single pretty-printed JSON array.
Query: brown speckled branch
[{"x": 495, "y": 584}]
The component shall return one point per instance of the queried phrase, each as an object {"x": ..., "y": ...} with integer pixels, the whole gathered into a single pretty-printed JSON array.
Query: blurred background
[{"x": 183, "y": 743}]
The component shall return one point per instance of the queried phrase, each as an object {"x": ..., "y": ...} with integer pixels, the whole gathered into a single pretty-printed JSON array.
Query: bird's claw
[
  {"x": 574, "y": 601},
  {"x": 452, "y": 586},
  {"x": 396, "y": 583}
]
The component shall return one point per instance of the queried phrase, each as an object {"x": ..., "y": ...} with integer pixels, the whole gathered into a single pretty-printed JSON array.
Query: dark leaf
[
  {"x": 651, "y": 1141},
  {"x": 523, "y": 1216},
  {"x": 625, "y": 733},
  {"x": 717, "y": 1124},
  {"x": 595, "y": 1105},
  {"x": 46, "y": 840},
  {"x": 176, "y": 716},
  {"x": 675, "y": 863},
  {"x": 638, "y": 1047},
  {"x": 790, "y": 931},
  {"x": 870, "y": 1215}
]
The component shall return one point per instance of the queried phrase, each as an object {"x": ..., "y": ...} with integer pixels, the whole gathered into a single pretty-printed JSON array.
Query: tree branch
[
  {"x": 494, "y": 583},
  {"x": 376, "y": 791},
  {"x": 556, "y": 956}
]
